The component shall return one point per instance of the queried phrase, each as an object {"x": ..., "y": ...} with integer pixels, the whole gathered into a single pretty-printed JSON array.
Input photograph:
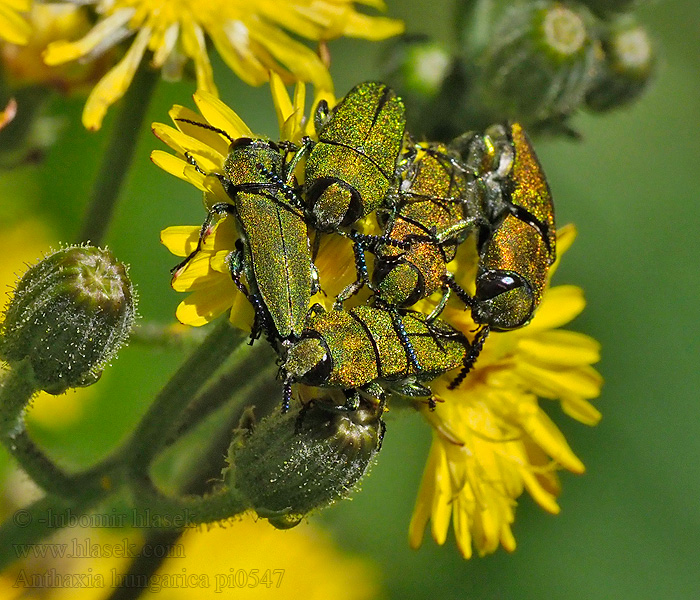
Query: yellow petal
[
  {"x": 242, "y": 313},
  {"x": 300, "y": 60},
  {"x": 163, "y": 43},
  {"x": 217, "y": 141},
  {"x": 105, "y": 29},
  {"x": 424, "y": 500},
  {"x": 560, "y": 347},
  {"x": 221, "y": 116},
  {"x": 197, "y": 274},
  {"x": 181, "y": 240},
  {"x": 233, "y": 45},
  {"x": 208, "y": 159},
  {"x": 195, "y": 47},
  {"x": 113, "y": 85},
  {"x": 19, "y": 5},
  {"x": 371, "y": 28},
  {"x": 13, "y": 28},
  {"x": 508, "y": 539},
  {"x": 204, "y": 306},
  {"x": 281, "y": 100},
  {"x": 546, "y": 435},
  {"x": 441, "y": 509},
  {"x": 219, "y": 262},
  {"x": 560, "y": 305},
  {"x": 565, "y": 237},
  {"x": 539, "y": 494},
  {"x": 581, "y": 410},
  {"x": 583, "y": 381},
  {"x": 178, "y": 167},
  {"x": 462, "y": 527}
]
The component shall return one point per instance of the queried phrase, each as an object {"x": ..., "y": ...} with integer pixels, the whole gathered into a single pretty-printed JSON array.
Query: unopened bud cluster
[
  {"x": 293, "y": 463},
  {"x": 69, "y": 315},
  {"x": 536, "y": 63}
]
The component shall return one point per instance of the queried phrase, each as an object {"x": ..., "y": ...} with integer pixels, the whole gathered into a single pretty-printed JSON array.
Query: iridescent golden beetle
[{"x": 517, "y": 241}]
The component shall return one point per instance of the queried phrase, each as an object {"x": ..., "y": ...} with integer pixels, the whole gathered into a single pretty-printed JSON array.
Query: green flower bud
[
  {"x": 628, "y": 67},
  {"x": 69, "y": 315},
  {"x": 539, "y": 63},
  {"x": 291, "y": 464}
]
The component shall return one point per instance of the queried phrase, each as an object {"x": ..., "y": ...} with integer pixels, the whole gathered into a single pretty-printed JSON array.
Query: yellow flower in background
[
  {"x": 24, "y": 64},
  {"x": 491, "y": 438},
  {"x": 207, "y": 276},
  {"x": 252, "y": 559},
  {"x": 245, "y": 559},
  {"x": 252, "y": 37},
  {"x": 14, "y": 28}
]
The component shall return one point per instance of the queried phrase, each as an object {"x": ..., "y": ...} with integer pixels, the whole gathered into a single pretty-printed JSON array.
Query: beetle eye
[
  {"x": 504, "y": 300},
  {"x": 494, "y": 283},
  {"x": 240, "y": 143}
]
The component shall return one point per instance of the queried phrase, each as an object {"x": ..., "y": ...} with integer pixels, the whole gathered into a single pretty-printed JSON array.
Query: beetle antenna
[{"x": 208, "y": 127}]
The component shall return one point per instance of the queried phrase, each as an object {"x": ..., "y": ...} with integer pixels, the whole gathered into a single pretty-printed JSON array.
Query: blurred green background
[{"x": 629, "y": 527}]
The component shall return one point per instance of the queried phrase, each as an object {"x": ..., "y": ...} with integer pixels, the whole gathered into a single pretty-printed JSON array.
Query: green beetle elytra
[
  {"x": 350, "y": 169},
  {"x": 359, "y": 349},
  {"x": 273, "y": 253},
  {"x": 435, "y": 213},
  {"x": 518, "y": 244}
]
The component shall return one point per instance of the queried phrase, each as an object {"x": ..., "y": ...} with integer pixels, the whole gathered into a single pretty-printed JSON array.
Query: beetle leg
[{"x": 471, "y": 357}]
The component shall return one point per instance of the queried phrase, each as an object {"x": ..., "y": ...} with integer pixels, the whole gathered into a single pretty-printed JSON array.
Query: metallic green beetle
[
  {"x": 435, "y": 211},
  {"x": 273, "y": 252},
  {"x": 518, "y": 244},
  {"x": 359, "y": 350},
  {"x": 351, "y": 168}
]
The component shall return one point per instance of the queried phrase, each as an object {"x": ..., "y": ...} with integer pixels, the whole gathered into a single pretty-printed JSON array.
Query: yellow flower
[
  {"x": 250, "y": 35},
  {"x": 24, "y": 65},
  {"x": 491, "y": 438},
  {"x": 207, "y": 275},
  {"x": 236, "y": 560},
  {"x": 13, "y": 27}
]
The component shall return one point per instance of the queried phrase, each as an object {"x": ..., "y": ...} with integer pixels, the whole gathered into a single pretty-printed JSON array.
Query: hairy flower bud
[
  {"x": 627, "y": 69},
  {"x": 291, "y": 464},
  {"x": 69, "y": 315},
  {"x": 540, "y": 62}
]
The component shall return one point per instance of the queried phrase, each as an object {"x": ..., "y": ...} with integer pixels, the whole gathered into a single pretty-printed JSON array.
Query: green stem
[
  {"x": 16, "y": 390},
  {"x": 18, "y": 387},
  {"x": 474, "y": 21},
  {"x": 244, "y": 379},
  {"x": 165, "y": 411},
  {"x": 185, "y": 511},
  {"x": 145, "y": 565},
  {"x": 174, "y": 336},
  {"x": 117, "y": 158}
]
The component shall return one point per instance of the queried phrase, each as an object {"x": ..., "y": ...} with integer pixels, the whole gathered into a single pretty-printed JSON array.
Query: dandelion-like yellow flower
[
  {"x": 207, "y": 276},
  {"x": 252, "y": 36},
  {"x": 24, "y": 65},
  {"x": 13, "y": 27},
  {"x": 491, "y": 438}
]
